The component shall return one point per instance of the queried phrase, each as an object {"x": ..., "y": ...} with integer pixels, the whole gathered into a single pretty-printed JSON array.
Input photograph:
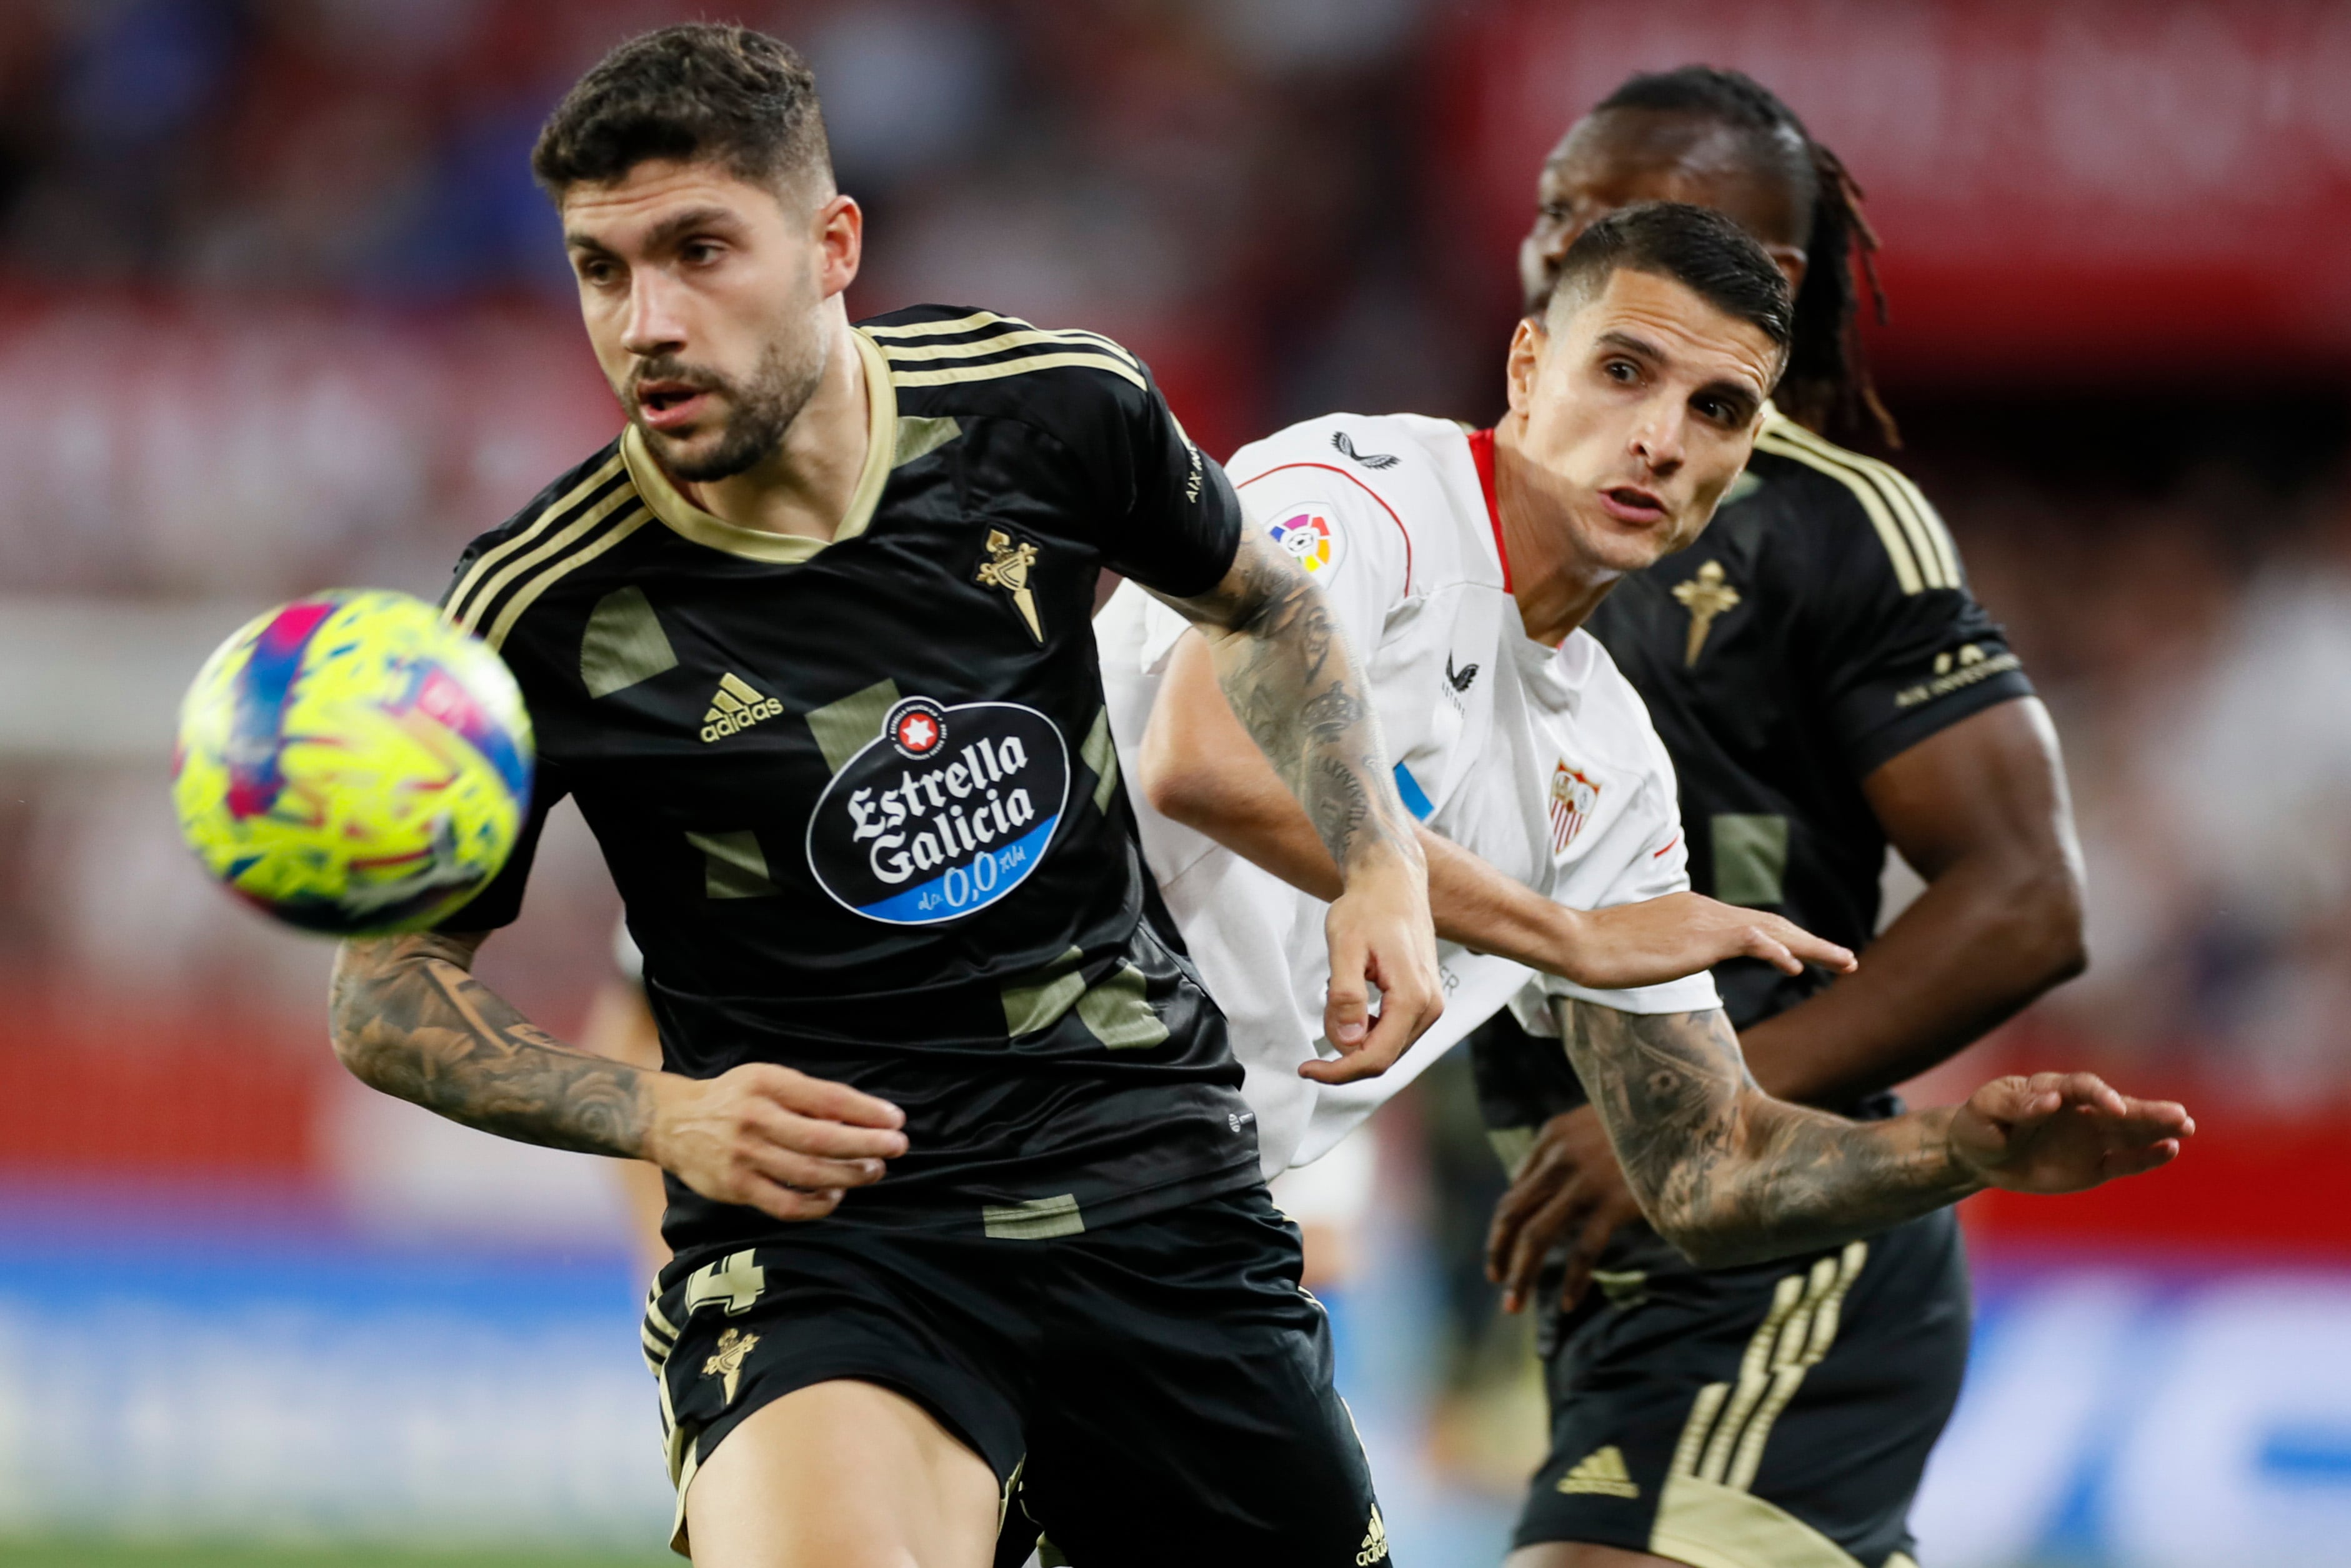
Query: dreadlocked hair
[{"x": 1827, "y": 383}]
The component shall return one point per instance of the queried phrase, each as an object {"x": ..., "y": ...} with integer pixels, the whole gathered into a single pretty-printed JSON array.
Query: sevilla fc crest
[{"x": 1572, "y": 799}]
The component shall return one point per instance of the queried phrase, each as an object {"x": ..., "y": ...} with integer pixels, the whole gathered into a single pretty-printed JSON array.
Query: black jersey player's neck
[
  {"x": 804, "y": 487},
  {"x": 1556, "y": 588}
]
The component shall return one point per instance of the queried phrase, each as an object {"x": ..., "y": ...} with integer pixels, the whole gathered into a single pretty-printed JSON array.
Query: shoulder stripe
[
  {"x": 970, "y": 323},
  {"x": 1940, "y": 534},
  {"x": 1093, "y": 359},
  {"x": 604, "y": 474},
  {"x": 1358, "y": 483},
  {"x": 629, "y": 522},
  {"x": 1936, "y": 556},
  {"x": 1890, "y": 533},
  {"x": 1930, "y": 544},
  {"x": 1001, "y": 341},
  {"x": 1004, "y": 331},
  {"x": 477, "y": 609}
]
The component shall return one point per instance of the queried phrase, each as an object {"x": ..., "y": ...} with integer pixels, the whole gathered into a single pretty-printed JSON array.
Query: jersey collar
[
  {"x": 1481, "y": 453},
  {"x": 758, "y": 544}
]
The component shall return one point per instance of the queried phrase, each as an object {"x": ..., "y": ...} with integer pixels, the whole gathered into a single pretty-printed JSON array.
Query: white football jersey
[{"x": 1542, "y": 761}]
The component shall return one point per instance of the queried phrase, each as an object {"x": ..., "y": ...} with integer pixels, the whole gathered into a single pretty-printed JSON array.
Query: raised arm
[
  {"x": 1284, "y": 667},
  {"x": 1731, "y": 1175},
  {"x": 1197, "y": 769},
  {"x": 408, "y": 1018}
]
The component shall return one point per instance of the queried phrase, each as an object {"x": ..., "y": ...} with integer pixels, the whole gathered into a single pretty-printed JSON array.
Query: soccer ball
[{"x": 350, "y": 763}]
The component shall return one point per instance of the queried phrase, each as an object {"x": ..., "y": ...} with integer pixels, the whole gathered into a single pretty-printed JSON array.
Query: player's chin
[{"x": 1630, "y": 547}]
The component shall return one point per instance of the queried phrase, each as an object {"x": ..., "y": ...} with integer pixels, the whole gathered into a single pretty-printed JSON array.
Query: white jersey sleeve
[{"x": 1348, "y": 538}]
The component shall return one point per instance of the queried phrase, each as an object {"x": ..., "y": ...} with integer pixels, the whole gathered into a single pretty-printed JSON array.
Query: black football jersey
[
  {"x": 1819, "y": 626},
  {"x": 860, "y": 798}
]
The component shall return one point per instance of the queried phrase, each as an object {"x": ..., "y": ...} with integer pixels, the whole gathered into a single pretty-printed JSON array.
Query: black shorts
[
  {"x": 1155, "y": 1392},
  {"x": 1772, "y": 1417}
]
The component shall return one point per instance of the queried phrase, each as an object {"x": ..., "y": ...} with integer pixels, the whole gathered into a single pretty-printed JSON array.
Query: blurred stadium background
[{"x": 282, "y": 310}]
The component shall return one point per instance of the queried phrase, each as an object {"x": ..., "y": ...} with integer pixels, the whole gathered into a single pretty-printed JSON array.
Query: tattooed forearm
[
  {"x": 1729, "y": 1174},
  {"x": 1299, "y": 693},
  {"x": 408, "y": 1019}
]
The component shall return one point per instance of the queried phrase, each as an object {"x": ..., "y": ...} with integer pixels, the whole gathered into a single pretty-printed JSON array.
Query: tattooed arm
[
  {"x": 1731, "y": 1175},
  {"x": 409, "y": 1017},
  {"x": 1289, "y": 677}
]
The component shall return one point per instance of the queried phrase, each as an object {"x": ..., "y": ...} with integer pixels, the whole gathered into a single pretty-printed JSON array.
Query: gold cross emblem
[
  {"x": 1007, "y": 566},
  {"x": 734, "y": 1345},
  {"x": 1705, "y": 596}
]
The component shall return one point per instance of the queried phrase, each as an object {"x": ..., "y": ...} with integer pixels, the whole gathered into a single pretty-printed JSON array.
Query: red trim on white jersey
[
  {"x": 1366, "y": 489},
  {"x": 1481, "y": 453},
  {"x": 1670, "y": 844}
]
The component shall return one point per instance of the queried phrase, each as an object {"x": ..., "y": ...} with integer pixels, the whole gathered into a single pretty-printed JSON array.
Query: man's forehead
[
  {"x": 1690, "y": 330},
  {"x": 655, "y": 189}
]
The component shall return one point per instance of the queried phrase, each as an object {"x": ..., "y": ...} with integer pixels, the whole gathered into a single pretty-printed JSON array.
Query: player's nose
[
  {"x": 1656, "y": 441},
  {"x": 653, "y": 325}
]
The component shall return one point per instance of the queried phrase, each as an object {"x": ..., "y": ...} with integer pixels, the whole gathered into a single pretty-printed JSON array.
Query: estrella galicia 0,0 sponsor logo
[{"x": 944, "y": 813}]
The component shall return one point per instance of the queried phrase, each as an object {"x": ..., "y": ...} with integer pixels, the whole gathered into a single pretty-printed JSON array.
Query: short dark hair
[
  {"x": 701, "y": 91},
  {"x": 1697, "y": 247},
  {"x": 1827, "y": 383}
]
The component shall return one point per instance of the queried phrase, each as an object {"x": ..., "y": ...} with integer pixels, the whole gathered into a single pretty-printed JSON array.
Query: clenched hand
[
  {"x": 1568, "y": 1189},
  {"x": 1379, "y": 931},
  {"x": 777, "y": 1141}
]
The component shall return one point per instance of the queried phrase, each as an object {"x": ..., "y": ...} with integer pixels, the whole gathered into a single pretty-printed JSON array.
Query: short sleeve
[
  {"x": 500, "y": 902},
  {"x": 497, "y": 904},
  {"x": 1351, "y": 543},
  {"x": 1176, "y": 522},
  {"x": 1902, "y": 648}
]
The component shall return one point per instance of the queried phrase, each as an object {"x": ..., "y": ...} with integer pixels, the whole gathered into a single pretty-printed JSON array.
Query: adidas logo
[
  {"x": 736, "y": 707},
  {"x": 1601, "y": 1472},
  {"x": 1375, "y": 1543}
]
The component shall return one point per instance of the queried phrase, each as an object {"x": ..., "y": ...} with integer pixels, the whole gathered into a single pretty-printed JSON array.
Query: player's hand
[
  {"x": 772, "y": 1139},
  {"x": 1379, "y": 931},
  {"x": 1570, "y": 1189},
  {"x": 2064, "y": 1132},
  {"x": 1663, "y": 939}
]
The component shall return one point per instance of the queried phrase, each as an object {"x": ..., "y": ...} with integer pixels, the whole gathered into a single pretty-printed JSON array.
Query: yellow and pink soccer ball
[{"x": 350, "y": 763}]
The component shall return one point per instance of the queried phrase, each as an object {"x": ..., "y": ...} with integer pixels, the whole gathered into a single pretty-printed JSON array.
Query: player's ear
[
  {"x": 841, "y": 242},
  {"x": 1525, "y": 363}
]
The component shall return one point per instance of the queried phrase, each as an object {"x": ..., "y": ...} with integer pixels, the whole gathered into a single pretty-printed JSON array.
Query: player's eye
[
  {"x": 596, "y": 272},
  {"x": 699, "y": 252},
  {"x": 1624, "y": 371}
]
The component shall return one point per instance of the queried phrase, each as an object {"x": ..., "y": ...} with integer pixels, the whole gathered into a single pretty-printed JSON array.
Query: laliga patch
[
  {"x": 1312, "y": 538},
  {"x": 943, "y": 812}
]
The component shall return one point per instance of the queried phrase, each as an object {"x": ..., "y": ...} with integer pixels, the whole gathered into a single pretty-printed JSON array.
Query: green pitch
[{"x": 242, "y": 1554}]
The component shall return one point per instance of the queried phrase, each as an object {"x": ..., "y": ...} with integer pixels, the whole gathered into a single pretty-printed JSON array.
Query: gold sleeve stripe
[
  {"x": 1889, "y": 533},
  {"x": 979, "y": 319},
  {"x": 1929, "y": 543},
  {"x": 1003, "y": 342},
  {"x": 1944, "y": 548},
  {"x": 583, "y": 523},
  {"x": 489, "y": 558},
  {"x": 941, "y": 377},
  {"x": 971, "y": 323},
  {"x": 1936, "y": 557},
  {"x": 630, "y": 521}
]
